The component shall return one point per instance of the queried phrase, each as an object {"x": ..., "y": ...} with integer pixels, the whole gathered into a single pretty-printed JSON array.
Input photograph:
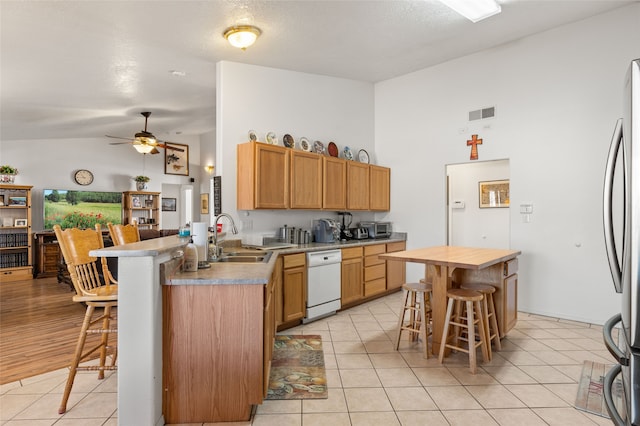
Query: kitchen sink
[
  {"x": 245, "y": 257},
  {"x": 257, "y": 253}
]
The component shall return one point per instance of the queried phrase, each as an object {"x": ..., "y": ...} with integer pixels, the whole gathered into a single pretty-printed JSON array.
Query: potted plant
[
  {"x": 141, "y": 182},
  {"x": 8, "y": 174}
]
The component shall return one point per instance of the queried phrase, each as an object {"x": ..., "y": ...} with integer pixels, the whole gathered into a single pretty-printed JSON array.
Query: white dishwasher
[{"x": 323, "y": 284}]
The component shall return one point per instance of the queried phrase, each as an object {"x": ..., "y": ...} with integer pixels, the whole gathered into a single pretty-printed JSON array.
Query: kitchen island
[{"x": 233, "y": 302}]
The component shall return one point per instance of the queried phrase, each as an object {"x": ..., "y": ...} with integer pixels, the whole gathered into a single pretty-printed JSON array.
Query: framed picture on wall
[
  {"x": 168, "y": 204},
  {"x": 176, "y": 161},
  {"x": 204, "y": 203},
  {"x": 493, "y": 194}
]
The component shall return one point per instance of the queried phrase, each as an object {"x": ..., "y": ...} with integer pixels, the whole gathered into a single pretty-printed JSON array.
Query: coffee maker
[
  {"x": 326, "y": 231},
  {"x": 345, "y": 231}
]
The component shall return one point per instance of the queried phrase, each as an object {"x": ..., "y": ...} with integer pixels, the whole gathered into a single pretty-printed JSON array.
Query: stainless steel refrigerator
[{"x": 622, "y": 240}]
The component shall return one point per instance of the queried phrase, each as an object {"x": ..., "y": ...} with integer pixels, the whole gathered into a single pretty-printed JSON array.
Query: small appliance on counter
[
  {"x": 345, "y": 231},
  {"x": 359, "y": 233},
  {"x": 326, "y": 231},
  {"x": 377, "y": 229}
]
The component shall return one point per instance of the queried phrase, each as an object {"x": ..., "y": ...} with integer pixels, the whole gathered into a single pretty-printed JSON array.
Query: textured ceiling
[{"x": 73, "y": 69}]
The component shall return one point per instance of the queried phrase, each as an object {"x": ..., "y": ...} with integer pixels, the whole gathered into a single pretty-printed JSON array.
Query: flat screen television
[{"x": 81, "y": 209}]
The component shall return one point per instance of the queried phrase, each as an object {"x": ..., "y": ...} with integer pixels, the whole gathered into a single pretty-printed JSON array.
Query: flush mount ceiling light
[
  {"x": 474, "y": 10},
  {"x": 242, "y": 36}
]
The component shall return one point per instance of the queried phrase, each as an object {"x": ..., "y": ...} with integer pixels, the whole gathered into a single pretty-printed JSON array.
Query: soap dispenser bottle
[{"x": 190, "y": 257}]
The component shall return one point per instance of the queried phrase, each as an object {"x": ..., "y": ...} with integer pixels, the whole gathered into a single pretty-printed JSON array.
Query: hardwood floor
[{"x": 39, "y": 326}]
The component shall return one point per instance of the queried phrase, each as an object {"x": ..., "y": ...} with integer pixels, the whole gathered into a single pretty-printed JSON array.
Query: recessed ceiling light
[{"x": 177, "y": 73}]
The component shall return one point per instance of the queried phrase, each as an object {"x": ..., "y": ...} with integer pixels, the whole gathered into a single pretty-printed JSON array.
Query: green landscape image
[{"x": 81, "y": 209}]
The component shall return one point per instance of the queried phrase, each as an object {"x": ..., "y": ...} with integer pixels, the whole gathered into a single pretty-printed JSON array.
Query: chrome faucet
[{"x": 214, "y": 252}]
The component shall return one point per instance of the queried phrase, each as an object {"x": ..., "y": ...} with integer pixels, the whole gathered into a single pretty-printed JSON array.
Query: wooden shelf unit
[
  {"x": 15, "y": 233},
  {"x": 142, "y": 208}
]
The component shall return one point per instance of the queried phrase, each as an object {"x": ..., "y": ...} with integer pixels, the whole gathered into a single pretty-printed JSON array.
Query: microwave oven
[{"x": 377, "y": 229}]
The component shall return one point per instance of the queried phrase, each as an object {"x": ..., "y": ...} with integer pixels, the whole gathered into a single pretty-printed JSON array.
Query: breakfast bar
[{"x": 449, "y": 266}]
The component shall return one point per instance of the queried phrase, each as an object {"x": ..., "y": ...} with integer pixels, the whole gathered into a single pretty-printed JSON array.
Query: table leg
[{"x": 441, "y": 283}]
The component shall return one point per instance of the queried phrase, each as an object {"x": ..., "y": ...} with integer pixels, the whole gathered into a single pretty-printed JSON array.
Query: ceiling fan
[{"x": 144, "y": 142}]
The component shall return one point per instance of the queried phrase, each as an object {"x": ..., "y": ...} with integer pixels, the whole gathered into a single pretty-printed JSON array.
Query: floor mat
[
  {"x": 297, "y": 368},
  {"x": 590, "y": 397}
]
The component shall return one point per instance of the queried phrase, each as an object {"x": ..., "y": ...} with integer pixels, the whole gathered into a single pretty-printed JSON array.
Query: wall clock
[{"x": 83, "y": 177}]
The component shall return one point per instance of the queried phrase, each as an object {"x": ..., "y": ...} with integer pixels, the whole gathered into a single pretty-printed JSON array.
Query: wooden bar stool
[
  {"x": 417, "y": 302},
  {"x": 98, "y": 290},
  {"x": 488, "y": 314},
  {"x": 458, "y": 321}
]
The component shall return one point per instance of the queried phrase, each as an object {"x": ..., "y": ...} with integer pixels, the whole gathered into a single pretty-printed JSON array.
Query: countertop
[{"x": 260, "y": 273}]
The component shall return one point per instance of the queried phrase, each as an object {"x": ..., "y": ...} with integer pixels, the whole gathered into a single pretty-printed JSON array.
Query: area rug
[
  {"x": 297, "y": 368},
  {"x": 590, "y": 396}
]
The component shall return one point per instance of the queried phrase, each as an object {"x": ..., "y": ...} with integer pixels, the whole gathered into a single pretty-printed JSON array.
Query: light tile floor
[{"x": 532, "y": 381}]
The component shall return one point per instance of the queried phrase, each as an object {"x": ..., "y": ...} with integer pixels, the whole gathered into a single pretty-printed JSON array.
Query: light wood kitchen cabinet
[
  {"x": 396, "y": 270},
  {"x": 269, "y": 320},
  {"x": 263, "y": 176},
  {"x": 142, "y": 208},
  {"x": 357, "y": 186},
  {"x": 334, "y": 184},
  {"x": 305, "y": 180},
  {"x": 351, "y": 273},
  {"x": 379, "y": 188},
  {"x": 213, "y": 351},
  {"x": 374, "y": 270},
  {"x": 278, "y": 290},
  {"x": 294, "y": 287},
  {"x": 15, "y": 233}
]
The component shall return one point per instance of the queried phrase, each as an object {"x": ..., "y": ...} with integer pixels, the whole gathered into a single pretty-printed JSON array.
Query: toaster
[{"x": 359, "y": 233}]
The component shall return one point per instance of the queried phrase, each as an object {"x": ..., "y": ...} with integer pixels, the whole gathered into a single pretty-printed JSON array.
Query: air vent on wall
[{"x": 481, "y": 114}]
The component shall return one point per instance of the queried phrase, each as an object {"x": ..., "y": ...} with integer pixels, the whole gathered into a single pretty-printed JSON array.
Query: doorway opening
[{"x": 469, "y": 224}]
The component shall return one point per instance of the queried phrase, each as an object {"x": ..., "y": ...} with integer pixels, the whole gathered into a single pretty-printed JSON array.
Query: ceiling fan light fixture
[
  {"x": 475, "y": 10},
  {"x": 143, "y": 148},
  {"x": 242, "y": 36}
]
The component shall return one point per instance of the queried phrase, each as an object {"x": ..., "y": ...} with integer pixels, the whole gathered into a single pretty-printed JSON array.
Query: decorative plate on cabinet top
[
  {"x": 332, "y": 149},
  {"x": 318, "y": 147},
  {"x": 272, "y": 139},
  {"x": 363, "y": 156},
  {"x": 287, "y": 140},
  {"x": 305, "y": 145},
  {"x": 347, "y": 153},
  {"x": 253, "y": 136}
]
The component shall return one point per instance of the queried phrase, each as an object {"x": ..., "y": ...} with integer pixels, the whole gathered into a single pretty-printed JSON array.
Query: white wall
[
  {"x": 304, "y": 105},
  {"x": 50, "y": 164},
  {"x": 472, "y": 226},
  {"x": 557, "y": 96}
]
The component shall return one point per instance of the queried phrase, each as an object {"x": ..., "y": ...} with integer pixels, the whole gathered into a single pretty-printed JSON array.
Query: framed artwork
[
  {"x": 1, "y": 199},
  {"x": 20, "y": 222},
  {"x": 204, "y": 203},
  {"x": 17, "y": 201},
  {"x": 168, "y": 204},
  {"x": 176, "y": 161},
  {"x": 494, "y": 194},
  {"x": 135, "y": 201}
]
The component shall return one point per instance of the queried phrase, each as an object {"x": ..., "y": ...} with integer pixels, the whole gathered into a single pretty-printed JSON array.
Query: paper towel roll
[{"x": 200, "y": 233}]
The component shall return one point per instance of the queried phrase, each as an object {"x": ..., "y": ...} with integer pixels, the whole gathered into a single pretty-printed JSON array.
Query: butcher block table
[{"x": 448, "y": 266}]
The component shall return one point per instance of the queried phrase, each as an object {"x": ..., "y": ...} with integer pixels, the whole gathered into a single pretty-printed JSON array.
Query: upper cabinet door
[
  {"x": 263, "y": 177},
  {"x": 357, "y": 186},
  {"x": 379, "y": 188},
  {"x": 305, "y": 182},
  {"x": 334, "y": 185}
]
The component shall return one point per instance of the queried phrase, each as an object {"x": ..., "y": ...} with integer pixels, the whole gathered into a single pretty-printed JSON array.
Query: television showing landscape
[{"x": 81, "y": 209}]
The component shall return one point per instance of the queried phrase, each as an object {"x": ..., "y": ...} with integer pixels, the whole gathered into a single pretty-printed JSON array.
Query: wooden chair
[
  {"x": 123, "y": 234},
  {"x": 488, "y": 314},
  {"x": 96, "y": 288}
]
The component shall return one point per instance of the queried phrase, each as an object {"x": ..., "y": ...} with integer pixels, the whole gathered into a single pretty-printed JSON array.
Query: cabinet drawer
[
  {"x": 373, "y": 260},
  {"x": 510, "y": 267},
  {"x": 399, "y": 246},
  {"x": 374, "y": 272},
  {"x": 375, "y": 249},
  {"x": 16, "y": 275},
  {"x": 374, "y": 287},
  {"x": 294, "y": 260},
  {"x": 351, "y": 252}
]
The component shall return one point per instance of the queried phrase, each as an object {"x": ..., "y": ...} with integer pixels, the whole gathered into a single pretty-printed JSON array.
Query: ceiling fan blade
[
  {"x": 165, "y": 146},
  {"x": 118, "y": 137},
  {"x": 119, "y": 143}
]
